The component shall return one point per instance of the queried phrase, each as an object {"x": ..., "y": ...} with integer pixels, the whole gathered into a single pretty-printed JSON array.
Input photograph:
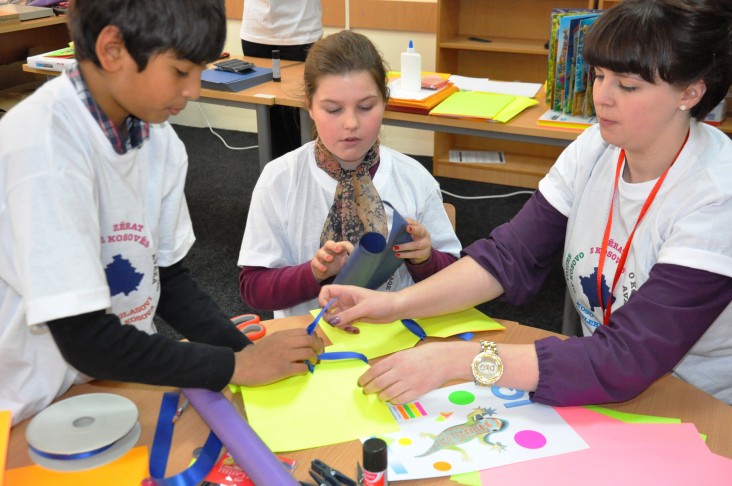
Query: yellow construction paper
[
  {"x": 469, "y": 320},
  {"x": 129, "y": 469},
  {"x": 628, "y": 417},
  {"x": 516, "y": 106},
  {"x": 473, "y": 104},
  {"x": 374, "y": 340},
  {"x": 316, "y": 409},
  {"x": 6, "y": 417},
  {"x": 467, "y": 479}
]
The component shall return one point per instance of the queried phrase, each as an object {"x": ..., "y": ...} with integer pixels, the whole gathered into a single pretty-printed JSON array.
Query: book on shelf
[
  {"x": 558, "y": 119},
  {"x": 576, "y": 100},
  {"x": 226, "y": 81},
  {"x": 53, "y": 60},
  {"x": 717, "y": 115},
  {"x": 565, "y": 60},
  {"x": 561, "y": 55},
  {"x": 476, "y": 157}
]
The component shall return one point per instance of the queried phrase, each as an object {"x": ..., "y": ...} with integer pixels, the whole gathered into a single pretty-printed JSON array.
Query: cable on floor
[{"x": 219, "y": 136}]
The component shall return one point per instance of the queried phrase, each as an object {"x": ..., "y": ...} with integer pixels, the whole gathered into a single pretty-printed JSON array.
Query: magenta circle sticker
[
  {"x": 461, "y": 397},
  {"x": 530, "y": 439}
]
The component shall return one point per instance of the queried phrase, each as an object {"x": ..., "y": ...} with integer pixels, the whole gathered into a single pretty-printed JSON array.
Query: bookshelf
[{"x": 518, "y": 31}]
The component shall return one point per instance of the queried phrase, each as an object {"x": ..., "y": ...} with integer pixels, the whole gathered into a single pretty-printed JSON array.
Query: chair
[{"x": 450, "y": 210}]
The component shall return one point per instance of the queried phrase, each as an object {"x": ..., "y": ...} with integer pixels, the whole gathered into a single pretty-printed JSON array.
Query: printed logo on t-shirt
[
  {"x": 122, "y": 277},
  {"x": 129, "y": 265}
]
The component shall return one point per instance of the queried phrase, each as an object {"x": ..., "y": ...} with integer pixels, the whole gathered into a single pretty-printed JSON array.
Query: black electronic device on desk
[
  {"x": 221, "y": 80},
  {"x": 234, "y": 66}
]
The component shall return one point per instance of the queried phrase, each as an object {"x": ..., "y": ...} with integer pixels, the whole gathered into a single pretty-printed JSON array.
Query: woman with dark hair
[{"x": 639, "y": 206}]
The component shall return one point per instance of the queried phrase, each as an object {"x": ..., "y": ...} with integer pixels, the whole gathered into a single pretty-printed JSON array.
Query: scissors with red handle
[{"x": 250, "y": 325}]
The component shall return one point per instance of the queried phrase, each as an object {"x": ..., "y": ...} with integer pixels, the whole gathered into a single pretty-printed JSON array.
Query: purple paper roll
[{"x": 244, "y": 445}]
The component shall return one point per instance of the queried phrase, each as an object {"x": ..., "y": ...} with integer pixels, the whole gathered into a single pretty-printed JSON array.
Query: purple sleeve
[
  {"x": 277, "y": 288},
  {"x": 436, "y": 262},
  {"x": 645, "y": 339},
  {"x": 520, "y": 253}
]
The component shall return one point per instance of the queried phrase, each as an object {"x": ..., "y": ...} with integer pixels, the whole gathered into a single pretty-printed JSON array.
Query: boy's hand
[
  {"x": 329, "y": 260},
  {"x": 419, "y": 250},
  {"x": 276, "y": 356}
]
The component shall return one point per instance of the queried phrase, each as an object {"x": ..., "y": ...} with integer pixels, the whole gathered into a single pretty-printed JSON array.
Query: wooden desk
[
  {"x": 289, "y": 92},
  {"x": 258, "y": 98},
  {"x": 669, "y": 397},
  {"x": 521, "y": 129}
]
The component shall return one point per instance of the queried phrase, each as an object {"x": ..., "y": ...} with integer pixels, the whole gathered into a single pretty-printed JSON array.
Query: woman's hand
[
  {"x": 419, "y": 250},
  {"x": 405, "y": 376},
  {"x": 357, "y": 304},
  {"x": 329, "y": 260}
]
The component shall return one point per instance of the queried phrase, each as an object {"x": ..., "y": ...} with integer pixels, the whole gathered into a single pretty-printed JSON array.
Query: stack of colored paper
[
  {"x": 635, "y": 449},
  {"x": 423, "y": 101},
  {"x": 478, "y": 105}
]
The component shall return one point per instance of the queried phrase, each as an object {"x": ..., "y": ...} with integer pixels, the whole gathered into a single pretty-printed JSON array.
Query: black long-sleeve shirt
[{"x": 99, "y": 345}]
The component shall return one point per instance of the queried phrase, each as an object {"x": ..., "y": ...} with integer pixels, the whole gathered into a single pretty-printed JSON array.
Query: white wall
[{"x": 391, "y": 44}]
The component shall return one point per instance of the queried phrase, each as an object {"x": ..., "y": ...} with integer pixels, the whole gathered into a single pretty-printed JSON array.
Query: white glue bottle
[{"x": 411, "y": 72}]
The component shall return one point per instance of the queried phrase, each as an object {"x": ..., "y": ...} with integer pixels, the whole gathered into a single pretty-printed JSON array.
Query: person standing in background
[{"x": 290, "y": 26}]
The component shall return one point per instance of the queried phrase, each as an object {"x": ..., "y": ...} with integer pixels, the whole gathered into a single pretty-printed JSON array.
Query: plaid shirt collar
[{"x": 136, "y": 131}]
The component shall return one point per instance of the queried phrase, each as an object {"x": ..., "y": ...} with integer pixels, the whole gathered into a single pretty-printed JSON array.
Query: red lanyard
[{"x": 626, "y": 248}]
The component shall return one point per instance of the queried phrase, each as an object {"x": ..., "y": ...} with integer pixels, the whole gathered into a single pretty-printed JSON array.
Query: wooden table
[
  {"x": 290, "y": 92},
  {"x": 259, "y": 98},
  {"x": 523, "y": 128},
  {"x": 668, "y": 397}
]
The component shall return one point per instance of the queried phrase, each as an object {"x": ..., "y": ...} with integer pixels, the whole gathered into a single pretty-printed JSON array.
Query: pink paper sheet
[{"x": 621, "y": 453}]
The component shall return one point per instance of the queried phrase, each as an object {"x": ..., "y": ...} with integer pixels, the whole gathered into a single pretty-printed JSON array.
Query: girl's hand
[
  {"x": 329, "y": 260},
  {"x": 416, "y": 251}
]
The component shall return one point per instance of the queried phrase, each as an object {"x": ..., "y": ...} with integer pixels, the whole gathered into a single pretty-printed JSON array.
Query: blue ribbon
[
  {"x": 466, "y": 335},
  {"x": 415, "y": 328},
  {"x": 71, "y": 457},
  {"x": 161, "y": 448},
  {"x": 334, "y": 355}
]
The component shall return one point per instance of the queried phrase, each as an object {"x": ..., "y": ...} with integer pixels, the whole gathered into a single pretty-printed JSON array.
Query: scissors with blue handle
[{"x": 250, "y": 325}]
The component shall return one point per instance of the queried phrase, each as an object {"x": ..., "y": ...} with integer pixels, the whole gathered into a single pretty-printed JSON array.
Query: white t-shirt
[
  {"x": 82, "y": 228},
  {"x": 292, "y": 198},
  {"x": 282, "y": 22},
  {"x": 689, "y": 224}
]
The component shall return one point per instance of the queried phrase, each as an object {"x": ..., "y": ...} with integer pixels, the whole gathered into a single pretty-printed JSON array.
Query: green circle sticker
[{"x": 461, "y": 397}]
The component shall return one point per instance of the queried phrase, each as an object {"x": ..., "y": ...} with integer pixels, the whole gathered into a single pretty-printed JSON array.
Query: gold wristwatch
[{"x": 487, "y": 366}]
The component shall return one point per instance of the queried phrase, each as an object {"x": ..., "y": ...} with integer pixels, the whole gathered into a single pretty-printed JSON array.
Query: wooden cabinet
[{"x": 517, "y": 32}]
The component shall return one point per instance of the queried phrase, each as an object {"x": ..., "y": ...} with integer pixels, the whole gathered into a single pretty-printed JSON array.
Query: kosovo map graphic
[
  {"x": 122, "y": 277},
  {"x": 589, "y": 287}
]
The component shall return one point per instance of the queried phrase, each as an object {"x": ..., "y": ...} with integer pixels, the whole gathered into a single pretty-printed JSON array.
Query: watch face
[{"x": 487, "y": 368}]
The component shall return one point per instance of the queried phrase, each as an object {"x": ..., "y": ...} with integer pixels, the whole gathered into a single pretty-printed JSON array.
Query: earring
[{"x": 682, "y": 107}]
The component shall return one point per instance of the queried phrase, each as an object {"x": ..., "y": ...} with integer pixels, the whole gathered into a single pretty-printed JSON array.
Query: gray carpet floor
[{"x": 218, "y": 190}]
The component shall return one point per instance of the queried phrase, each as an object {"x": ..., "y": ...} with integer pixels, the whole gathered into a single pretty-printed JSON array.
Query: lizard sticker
[{"x": 480, "y": 424}]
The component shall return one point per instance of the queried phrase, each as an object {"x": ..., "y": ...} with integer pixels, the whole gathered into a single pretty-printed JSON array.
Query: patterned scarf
[{"x": 357, "y": 206}]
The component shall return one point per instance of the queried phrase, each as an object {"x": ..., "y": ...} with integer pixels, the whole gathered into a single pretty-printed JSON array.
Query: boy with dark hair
[{"x": 94, "y": 224}]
